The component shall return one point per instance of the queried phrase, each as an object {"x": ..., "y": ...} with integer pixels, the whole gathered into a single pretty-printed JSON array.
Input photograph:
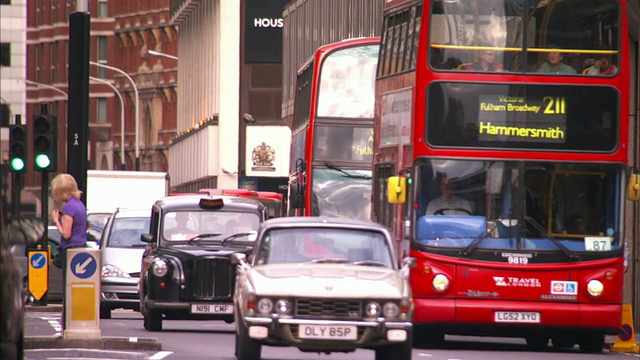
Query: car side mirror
[
  {"x": 409, "y": 262},
  {"x": 238, "y": 258},
  {"x": 148, "y": 238}
]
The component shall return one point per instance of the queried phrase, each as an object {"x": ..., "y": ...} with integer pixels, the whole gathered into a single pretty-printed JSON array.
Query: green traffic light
[
  {"x": 17, "y": 164},
  {"x": 43, "y": 161}
]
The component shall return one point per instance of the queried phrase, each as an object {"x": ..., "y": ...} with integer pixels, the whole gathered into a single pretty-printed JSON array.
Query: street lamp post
[
  {"x": 122, "y": 162},
  {"x": 158, "y": 53},
  {"x": 137, "y": 99},
  {"x": 30, "y": 82}
]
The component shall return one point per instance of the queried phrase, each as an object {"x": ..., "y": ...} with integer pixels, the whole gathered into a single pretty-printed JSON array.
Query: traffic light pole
[{"x": 16, "y": 189}]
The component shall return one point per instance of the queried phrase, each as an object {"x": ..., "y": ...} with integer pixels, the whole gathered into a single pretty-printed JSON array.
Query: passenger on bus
[
  {"x": 554, "y": 65},
  {"x": 447, "y": 203},
  {"x": 486, "y": 62},
  {"x": 576, "y": 224}
]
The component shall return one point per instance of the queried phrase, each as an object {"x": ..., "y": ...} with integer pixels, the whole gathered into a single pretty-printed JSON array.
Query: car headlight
[
  {"x": 114, "y": 271},
  {"x": 373, "y": 309},
  {"x": 390, "y": 310},
  {"x": 265, "y": 306},
  {"x": 440, "y": 282},
  {"x": 160, "y": 268},
  {"x": 595, "y": 287},
  {"x": 283, "y": 307}
]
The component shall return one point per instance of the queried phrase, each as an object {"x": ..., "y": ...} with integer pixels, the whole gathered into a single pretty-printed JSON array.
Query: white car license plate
[
  {"x": 211, "y": 309},
  {"x": 516, "y": 317},
  {"x": 331, "y": 332}
]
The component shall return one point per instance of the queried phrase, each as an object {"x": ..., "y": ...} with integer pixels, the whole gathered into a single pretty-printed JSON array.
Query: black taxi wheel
[
  {"x": 153, "y": 320},
  {"x": 246, "y": 347}
]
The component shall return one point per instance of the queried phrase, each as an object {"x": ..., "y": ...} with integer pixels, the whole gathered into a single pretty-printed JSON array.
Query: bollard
[{"x": 82, "y": 295}]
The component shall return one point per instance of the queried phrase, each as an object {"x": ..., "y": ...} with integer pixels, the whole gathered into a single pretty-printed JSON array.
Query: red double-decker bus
[
  {"x": 271, "y": 199},
  {"x": 332, "y": 131},
  {"x": 501, "y": 130}
]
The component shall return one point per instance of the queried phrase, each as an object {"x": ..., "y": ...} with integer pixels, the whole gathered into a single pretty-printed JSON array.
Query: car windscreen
[
  {"x": 217, "y": 225},
  {"x": 126, "y": 232},
  {"x": 300, "y": 245}
]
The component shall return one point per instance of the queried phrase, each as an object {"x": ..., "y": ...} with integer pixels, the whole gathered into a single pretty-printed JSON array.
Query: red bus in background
[
  {"x": 332, "y": 131},
  {"x": 501, "y": 159},
  {"x": 271, "y": 199}
]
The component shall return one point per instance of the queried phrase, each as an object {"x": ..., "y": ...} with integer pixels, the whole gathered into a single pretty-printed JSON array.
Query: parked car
[
  {"x": 20, "y": 231},
  {"x": 121, "y": 255},
  {"x": 186, "y": 271},
  {"x": 323, "y": 285}
]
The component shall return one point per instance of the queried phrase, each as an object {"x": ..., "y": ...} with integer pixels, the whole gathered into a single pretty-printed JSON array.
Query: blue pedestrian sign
[
  {"x": 38, "y": 261},
  {"x": 83, "y": 265}
]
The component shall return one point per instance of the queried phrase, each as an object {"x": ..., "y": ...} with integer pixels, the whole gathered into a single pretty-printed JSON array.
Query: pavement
[{"x": 105, "y": 342}]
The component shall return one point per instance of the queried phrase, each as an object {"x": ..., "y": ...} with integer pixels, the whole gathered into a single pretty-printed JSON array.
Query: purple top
[{"x": 76, "y": 209}]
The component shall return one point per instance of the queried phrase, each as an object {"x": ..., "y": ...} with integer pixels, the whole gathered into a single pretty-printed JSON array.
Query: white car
[
  {"x": 121, "y": 255},
  {"x": 323, "y": 285}
]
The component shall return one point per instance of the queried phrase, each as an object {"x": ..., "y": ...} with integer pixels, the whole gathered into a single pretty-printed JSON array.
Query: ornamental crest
[{"x": 263, "y": 155}]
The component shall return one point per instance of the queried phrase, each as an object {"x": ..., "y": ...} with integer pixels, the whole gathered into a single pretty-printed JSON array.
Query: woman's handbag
[{"x": 57, "y": 258}]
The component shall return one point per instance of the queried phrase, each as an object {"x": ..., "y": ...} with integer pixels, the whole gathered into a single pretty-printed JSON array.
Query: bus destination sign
[{"x": 525, "y": 119}]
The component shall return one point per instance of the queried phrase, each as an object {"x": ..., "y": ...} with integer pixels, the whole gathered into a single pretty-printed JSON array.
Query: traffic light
[
  {"x": 17, "y": 148},
  {"x": 45, "y": 143}
]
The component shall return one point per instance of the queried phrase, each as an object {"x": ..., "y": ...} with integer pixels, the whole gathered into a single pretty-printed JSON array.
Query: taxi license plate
[
  {"x": 516, "y": 317},
  {"x": 211, "y": 309},
  {"x": 331, "y": 332}
]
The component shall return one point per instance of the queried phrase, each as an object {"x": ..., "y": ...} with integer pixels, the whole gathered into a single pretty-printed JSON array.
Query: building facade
[{"x": 230, "y": 134}]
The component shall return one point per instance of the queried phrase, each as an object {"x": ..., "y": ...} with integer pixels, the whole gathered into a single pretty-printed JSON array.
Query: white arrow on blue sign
[
  {"x": 83, "y": 265},
  {"x": 38, "y": 261}
]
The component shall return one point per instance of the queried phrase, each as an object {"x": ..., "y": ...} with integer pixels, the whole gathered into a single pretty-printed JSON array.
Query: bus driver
[{"x": 447, "y": 203}]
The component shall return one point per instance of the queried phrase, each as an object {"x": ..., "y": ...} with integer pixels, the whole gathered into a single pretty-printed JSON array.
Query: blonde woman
[{"x": 72, "y": 221}]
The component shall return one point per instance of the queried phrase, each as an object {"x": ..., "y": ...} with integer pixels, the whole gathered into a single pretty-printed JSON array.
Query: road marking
[{"x": 160, "y": 355}]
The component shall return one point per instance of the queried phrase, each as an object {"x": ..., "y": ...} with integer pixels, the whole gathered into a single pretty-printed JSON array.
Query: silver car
[
  {"x": 121, "y": 256},
  {"x": 323, "y": 285}
]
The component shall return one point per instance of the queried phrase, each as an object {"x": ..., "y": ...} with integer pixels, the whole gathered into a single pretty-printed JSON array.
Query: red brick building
[{"x": 121, "y": 34}]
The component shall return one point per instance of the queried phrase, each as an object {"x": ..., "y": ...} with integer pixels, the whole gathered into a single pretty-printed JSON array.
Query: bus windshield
[
  {"x": 341, "y": 193},
  {"x": 549, "y": 37},
  {"x": 517, "y": 205}
]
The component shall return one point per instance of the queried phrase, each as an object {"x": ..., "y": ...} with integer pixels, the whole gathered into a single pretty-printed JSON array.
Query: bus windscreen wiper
[
  {"x": 565, "y": 250},
  {"x": 472, "y": 246},
  {"x": 344, "y": 173}
]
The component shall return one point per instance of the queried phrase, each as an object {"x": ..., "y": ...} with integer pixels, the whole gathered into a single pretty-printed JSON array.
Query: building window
[
  {"x": 68, "y": 9},
  {"x": 53, "y": 12},
  {"x": 37, "y": 61},
  {"x": 5, "y": 2},
  {"x": 101, "y": 115},
  {"x": 5, "y": 54},
  {"x": 53, "y": 47},
  {"x": 66, "y": 59},
  {"x": 5, "y": 115},
  {"x": 103, "y": 9},
  {"x": 37, "y": 18},
  {"x": 102, "y": 48}
]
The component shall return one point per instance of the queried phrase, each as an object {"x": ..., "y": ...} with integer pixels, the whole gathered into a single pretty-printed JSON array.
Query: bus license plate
[
  {"x": 331, "y": 332},
  {"x": 516, "y": 317},
  {"x": 211, "y": 309}
]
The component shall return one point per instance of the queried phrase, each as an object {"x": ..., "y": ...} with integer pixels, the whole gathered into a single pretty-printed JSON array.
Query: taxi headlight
[
  {"x": 265, "y": 306},
  {"x": 372, "y": 309},
  {"x": 390, "y": 310},
  {"x": 595, "y": 287},
  {"x": 440, "y": 282},
  {"x": 283, "y": 307},
  {"x": 160, "y": 268}
]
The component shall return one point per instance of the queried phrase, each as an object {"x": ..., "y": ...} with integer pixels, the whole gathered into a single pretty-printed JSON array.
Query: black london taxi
[{"x": 186, "y": 271}]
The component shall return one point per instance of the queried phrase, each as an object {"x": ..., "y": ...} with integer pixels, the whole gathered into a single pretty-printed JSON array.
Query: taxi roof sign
[{"x": 210, "y": 203}]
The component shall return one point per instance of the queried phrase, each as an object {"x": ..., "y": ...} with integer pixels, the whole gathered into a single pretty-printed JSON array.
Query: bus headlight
[
  {"x": 595, "y": 287},
  {"x": 440, "y": 282}
]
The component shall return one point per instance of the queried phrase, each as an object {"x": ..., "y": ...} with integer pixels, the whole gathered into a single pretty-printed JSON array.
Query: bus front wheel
[{"x": 591, "y": 343}]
